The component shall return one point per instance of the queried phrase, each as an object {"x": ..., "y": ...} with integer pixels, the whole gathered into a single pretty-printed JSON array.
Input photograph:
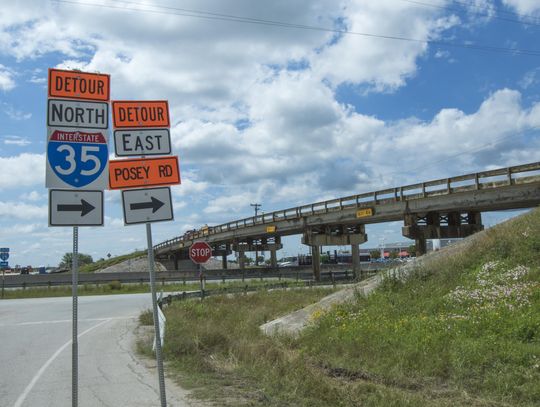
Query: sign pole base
[{"x": 159, "y": 357}]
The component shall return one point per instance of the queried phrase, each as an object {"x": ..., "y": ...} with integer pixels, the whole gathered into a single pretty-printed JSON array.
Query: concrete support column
[
  {"x": 420, "y": 244},
  {"x": 224, "y": 261},
  {"x": 175, "y": 260},
  {"x": 241, "y": 260},
  {"x": 316, "y": 262},
  {"x": 273, "y": 259},
  {"x": 355, "y": 251}
]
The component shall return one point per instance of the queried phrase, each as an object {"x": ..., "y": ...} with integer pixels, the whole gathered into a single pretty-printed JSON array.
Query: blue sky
[{"x": 270, "y": 114}]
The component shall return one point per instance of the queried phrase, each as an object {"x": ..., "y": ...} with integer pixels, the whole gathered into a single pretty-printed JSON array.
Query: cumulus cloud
[
  {"x": 384, "y": 64},
  {"x": 6, "y": 78},
  {"x": 524, "y": 6},
  {"x": 22, "y": 211},
  {"x": 22, "y": 170}
]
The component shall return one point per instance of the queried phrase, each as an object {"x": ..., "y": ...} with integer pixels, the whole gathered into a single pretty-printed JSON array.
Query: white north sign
[{"x": 79, "y": 114}]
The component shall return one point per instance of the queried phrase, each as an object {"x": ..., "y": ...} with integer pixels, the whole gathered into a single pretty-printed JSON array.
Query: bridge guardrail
[
  {"x": 496, "y": 178},
  {"x": 326, "y": 278}
]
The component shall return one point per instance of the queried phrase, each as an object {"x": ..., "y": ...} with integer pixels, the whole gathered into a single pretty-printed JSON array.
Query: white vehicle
[{"x": 288, "y": 262}]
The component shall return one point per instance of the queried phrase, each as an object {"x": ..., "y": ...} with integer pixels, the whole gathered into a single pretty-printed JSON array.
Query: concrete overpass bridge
[{"x": 443, "y": 208}]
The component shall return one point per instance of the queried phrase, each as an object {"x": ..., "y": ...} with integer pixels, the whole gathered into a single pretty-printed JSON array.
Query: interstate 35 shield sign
[{"x": 77, "y": 158}]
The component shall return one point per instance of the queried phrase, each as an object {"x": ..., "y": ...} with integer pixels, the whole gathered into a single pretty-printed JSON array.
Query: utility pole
[{"x": 256, "y": 206}]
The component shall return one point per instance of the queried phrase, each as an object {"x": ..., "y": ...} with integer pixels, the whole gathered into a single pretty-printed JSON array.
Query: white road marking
[{"x": 40, "y": 372}]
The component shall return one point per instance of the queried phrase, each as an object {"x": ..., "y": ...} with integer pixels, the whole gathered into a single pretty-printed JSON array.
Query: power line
[
  {"x": 248, "y": 20},
  {"x": 520, "y": 18}
]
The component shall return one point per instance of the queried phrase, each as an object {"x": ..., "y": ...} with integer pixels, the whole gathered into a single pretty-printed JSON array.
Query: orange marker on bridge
[{"x": 143, "y": 172}]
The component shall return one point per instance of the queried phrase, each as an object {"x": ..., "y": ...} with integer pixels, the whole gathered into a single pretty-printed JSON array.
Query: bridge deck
[{"x": 504, "y": 188}]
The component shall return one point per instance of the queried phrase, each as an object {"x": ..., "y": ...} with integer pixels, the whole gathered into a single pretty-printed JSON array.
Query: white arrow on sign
[
  {"x": 75, "y": 208},
  {"x": 147, "y": 205},
  {"x": 135, "y": 142},
  {"x": 79, "y": 114}
]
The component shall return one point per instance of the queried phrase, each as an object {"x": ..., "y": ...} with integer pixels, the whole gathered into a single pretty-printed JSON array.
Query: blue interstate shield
[{"x": 78, "y": 158}]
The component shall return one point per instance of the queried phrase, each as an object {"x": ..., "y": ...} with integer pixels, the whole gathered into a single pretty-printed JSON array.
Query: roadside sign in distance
[
  {"x": 200, "y": 252},
  {"x": 4, "y": 249},
  {"x": 77, "y": 158},
  {"x": 144, "y": 113},
  {"x": 78, "y": 114},
  {"x": 4, "y": 256},
  {"x": 143, "y": 172},
  {"x": 75, "y": 208},
  {"x": 147, "y": 205},
  {"x": 79, "y": 85},
  {"x": 4, "y": 264},
  {"x": 135, "y": 142}
]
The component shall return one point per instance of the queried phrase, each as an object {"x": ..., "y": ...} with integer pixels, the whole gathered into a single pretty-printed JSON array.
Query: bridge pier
[
  {"x": 273, "y": 258},
  {"x": 271, "y": 244},
  {"x": 334, "y": 235},
  {"x": 437, "y": 225}
]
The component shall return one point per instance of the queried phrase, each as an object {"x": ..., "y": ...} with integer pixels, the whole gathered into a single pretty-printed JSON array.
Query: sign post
[
  {"x": 4, "y": 256},
  {"x": 77, "y": 162},
  {"x": 142, "y": 129}
]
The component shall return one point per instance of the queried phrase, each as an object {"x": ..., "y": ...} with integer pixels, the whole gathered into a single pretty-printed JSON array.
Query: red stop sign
[{"x": 200, "y": 252}]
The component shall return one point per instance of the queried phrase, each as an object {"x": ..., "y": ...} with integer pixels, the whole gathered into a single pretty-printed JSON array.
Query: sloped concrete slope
[{"x": 293, "y": 323}]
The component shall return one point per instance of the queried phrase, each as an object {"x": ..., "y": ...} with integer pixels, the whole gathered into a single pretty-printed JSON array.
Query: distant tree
[
  {"x": 375, "y": 254},
  {"x": 394, "y": 254},
  {"x": 248, "y": 260},
  {"x": 67, "y": 260},
  {"x": 412, "y": 250}
]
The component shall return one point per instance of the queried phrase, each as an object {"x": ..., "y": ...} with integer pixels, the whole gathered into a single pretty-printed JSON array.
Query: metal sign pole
[
  {"x": 75, "y": 345},
  {"x": 159, "y": 358}
]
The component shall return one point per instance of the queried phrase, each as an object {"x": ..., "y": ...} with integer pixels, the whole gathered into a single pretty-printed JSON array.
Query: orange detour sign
[
  {"x": 143, "y": 172},
  {"x": 79, "y": 85},
  {"x": 135, "y": 114}
]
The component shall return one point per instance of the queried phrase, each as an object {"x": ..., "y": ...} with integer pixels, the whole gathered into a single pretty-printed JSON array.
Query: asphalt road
[{"x": 35, "y": 354}]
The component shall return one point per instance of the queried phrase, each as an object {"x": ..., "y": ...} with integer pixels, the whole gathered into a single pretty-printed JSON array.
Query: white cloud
[
  {"x": 17, "y": 141},
  {"x": 22, "y": 170},
  {"x": 524, "y": 6},
  {"x": 22, "y": 211},
  {"x": 6, "y": 78},
  {"x": 33, "y": 196},
  {"x": 384, "y": 64},
  {"x": 530, "y": 78},
  {"x": 15, "y": 114}
]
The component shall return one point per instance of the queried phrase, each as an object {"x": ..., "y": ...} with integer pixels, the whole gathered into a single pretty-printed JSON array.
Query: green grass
[
  {"x": 116, "y": 287},
  {"x": 463, "y": 331}
]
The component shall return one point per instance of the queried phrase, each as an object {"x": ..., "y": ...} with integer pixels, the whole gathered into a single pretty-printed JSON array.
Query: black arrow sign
[
  {"x": 84, "y": 208},
  {"x": 155, "y": 204}
]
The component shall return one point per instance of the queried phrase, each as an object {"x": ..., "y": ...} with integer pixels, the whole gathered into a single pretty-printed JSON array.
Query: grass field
[{"x": 464, "y": 331}]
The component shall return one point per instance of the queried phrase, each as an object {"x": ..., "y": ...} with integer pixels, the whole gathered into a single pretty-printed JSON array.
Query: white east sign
[{"x": 135, "y": 142}]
